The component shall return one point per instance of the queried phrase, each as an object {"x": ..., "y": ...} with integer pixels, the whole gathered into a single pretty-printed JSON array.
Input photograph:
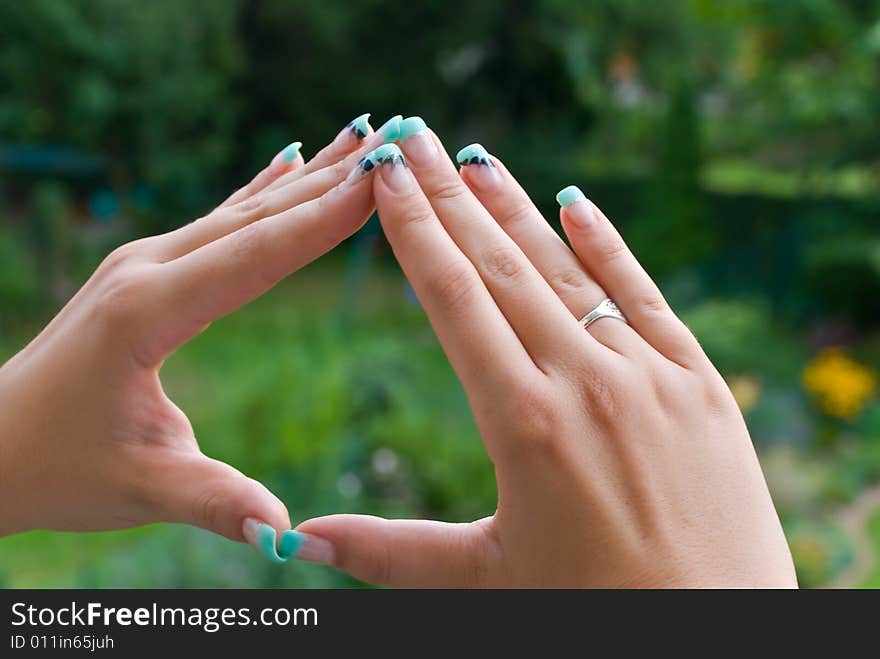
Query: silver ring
[{"x": 605, "y": 309}]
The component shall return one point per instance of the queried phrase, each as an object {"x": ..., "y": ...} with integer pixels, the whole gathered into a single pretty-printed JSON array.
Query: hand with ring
[{"x": 621, "y": 457}]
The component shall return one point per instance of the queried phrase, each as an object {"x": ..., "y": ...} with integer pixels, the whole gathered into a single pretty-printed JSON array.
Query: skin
[
  {"x": 89, "y": 440},
  {"x": 621, "y": 457}
]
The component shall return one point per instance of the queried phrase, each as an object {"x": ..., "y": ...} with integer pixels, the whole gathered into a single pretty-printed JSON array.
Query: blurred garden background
[{"x": 736, "y": 144}]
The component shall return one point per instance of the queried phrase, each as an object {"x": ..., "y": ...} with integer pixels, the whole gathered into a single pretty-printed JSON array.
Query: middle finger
[
  {"x": 524, "y": 297},
  {"x": 515, "y": 212}
]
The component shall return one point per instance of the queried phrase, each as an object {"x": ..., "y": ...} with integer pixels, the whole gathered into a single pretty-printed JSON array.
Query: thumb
[{"x": 409, "y": 553}]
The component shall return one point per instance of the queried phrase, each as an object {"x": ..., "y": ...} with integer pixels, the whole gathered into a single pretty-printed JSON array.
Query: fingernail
[
  {"x": 390, "y": 129},
  {"x": 411, "y": 126},
  {"x": 581, "y": 214},
  {"x": 360, "y": 126},
  {"x": 569, "y": 195},
  {"x": 417, "y": 142},
  {"x": 313, "y": 549},
  {"x": 484, "y": 175},
  {"x": 296, "y": 544},
  {"x": 394, "y": 170},
  {"x": 474, "y": 154},
  {"x": 261, "y": 537},
  {"x": 356, "y": 129},
  {"x": 363, "y": 167},
  {"x": 387, "y": 154},
  {"x": 288, "y": 154}
]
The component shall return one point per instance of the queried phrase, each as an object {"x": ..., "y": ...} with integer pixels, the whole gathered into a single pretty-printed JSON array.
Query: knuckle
[
  {"x": 207, "y": 509},
  {"x": 476, "y": 544},
  {"x": 449, "y": 190},
  {"x": 716, "y": 394},
  {"x": 341, "y": 168},
  {"x": 122, "y": 295},
  {"x": 504, "y": 263},
  {"x": 407, "y": 215},
  {"x": 122, "y": 255},
  {"x": 252, "y": 208},
  {"x": 520, "y": 212},
  {"x": 568, "y": 279},
  {"x": 652, "y": 303},
  {"x": 538, "y": 418},
  {"x": 456, "y": 286},
  {"x": 605, "y": 397},
  {"x": 611, "y": 250},
  {"x": 416, "y": 214}
]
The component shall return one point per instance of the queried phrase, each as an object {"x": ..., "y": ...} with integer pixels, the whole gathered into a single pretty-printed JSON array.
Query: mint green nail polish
[
  {"x": 390, "y": 130},
  {"x": 387, "y": 154},
  {"x": 291, "y": 151},
  {"x": 360, "y": 126},
  {"x": 290, "y": 543},
  {"x": 266, "y": 542},
  {"x": 569, "y": 195},
  {"x": 474, "y": 154},
  {"x": 410, "y": 126}
]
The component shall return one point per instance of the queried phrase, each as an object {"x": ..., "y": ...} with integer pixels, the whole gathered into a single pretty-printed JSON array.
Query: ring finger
[{"x": 512, "y": 208}]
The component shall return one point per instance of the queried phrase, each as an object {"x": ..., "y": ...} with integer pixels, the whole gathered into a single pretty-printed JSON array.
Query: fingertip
[{"x": 575, "y": 210}]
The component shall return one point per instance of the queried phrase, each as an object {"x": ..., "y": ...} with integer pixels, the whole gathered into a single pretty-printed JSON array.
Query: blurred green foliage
[{"x": 734, "y": 143}]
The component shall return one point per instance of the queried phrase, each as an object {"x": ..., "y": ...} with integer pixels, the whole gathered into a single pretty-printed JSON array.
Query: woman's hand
[
  {"x": 621, "y": 457},
  {"x": 89, "y": 440}
]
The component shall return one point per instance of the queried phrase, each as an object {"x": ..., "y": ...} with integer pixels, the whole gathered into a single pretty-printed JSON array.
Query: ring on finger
[{"x": 605, "y": 309}]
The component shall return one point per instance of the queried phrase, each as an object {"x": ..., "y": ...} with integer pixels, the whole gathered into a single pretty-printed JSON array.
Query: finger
[
  {"x": 278, "y": 547},
  {"x": 608, "y": 259},
  {"x": 191, "y": 488},
  {"x": 226, "y": 220},
  {"x": 219, "y": 277},
  {"x": 512, "y": 208},
  {"x": 526, "y": 300},
  {"x": 286, "y": 160},
  {"x": 348, "y": 141},
  {"x": 480, "y": 343},
  {"x": 409, "y": 553}
]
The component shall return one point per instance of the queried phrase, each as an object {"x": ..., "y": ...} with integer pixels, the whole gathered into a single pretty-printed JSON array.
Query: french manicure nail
[
  {"x": 261, "y": 537},
  {"x": 390, "y": 130},
  {"x": 288, "y": 154},
  {"x": 484, "y": 174},
  {"x": 360, "y": 126},
  {"x": 363, "y": 167},
  {"x": 474, "y": 154},
  {"x": 387, "y": 154},
  {"x": 292, "y": 544},
  {"x": 411, "y": 126},
  {"x": 417, "y": 142},
  {"x": 569, "y": 195},
  {"x": 394, "y": 170},
  {"x": 579, "y": 213},
  {"x": 357, "y": 129}
]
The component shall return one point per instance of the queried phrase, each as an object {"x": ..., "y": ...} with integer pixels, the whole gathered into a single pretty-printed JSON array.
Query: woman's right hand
[{"x": 621, "y": 457}]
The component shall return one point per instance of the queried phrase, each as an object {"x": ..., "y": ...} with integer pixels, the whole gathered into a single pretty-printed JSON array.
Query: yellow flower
[
  {"x": 746, "y": 390},
  {"x": 840, "y": 384}
]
